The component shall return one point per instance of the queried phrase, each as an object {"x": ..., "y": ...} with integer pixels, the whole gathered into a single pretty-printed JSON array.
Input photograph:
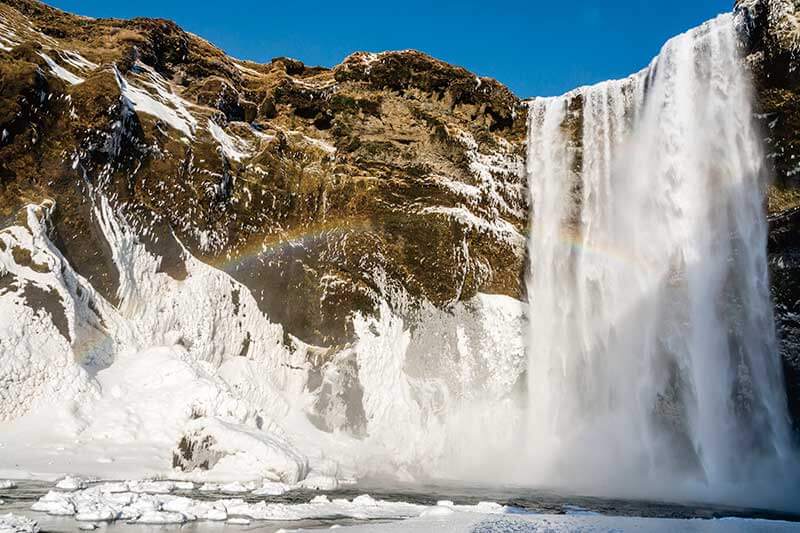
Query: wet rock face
[
  {"x": 322, "y": 190},
  {"x": 771, "y": 35}
]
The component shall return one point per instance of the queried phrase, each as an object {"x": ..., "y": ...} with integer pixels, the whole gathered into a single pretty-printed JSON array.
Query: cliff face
[
  {"x": 321, "y": 193},
  {"x": 771, "y": 34},
  {"x": 318, "y": 189}
]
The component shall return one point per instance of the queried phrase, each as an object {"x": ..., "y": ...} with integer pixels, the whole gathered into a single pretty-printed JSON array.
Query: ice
[
  {"x": 271, "y": 488},
  {"x": 95, "y": 504},
  {"x": 244, "y": 451},
  {"x": 160, "y": 517},
  {"x": 11, "y": 523},
  {"x": 461, "y": 522},
  {"x": 71, "y": 483},
  {"x": 498, "y": 228},
  {"x": 60, "y": 71},
  {"x": 236, "y": 488}
]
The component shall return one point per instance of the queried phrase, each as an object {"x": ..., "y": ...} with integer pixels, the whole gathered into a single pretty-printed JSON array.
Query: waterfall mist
[{"x": 652, "y": 353}]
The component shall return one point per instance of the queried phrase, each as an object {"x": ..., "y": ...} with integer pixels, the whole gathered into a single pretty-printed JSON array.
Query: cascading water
[{"x": 652, "y": 348}]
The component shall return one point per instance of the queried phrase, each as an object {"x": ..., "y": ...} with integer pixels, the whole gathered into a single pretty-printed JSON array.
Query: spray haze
[{"x": 652, "y": 357}]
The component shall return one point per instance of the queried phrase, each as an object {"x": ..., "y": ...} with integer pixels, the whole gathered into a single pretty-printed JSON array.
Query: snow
[
  {"x": 233, "y": 147},
  {"x": 271, "y": 488},
  {"x": 8, "y": 38},
  {"x": 6, "y": 484},
  {"x": 246, "y": 70},
  {"x": 11, "y": 523},
  {"x": 60, "y": 71},
  {"x": 95, "y": 504},
  {"x": 164, "y": 104},
  {"x": 501, "y": 229},
  {"x": 71, "y": 483},
  {"x": 499, "y": 173},
  {"x": 71, "y": 401},
  {"x": 77, "y": 60}
]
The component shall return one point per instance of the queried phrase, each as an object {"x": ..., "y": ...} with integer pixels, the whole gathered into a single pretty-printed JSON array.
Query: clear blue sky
[{"x": 536, "y": 47}]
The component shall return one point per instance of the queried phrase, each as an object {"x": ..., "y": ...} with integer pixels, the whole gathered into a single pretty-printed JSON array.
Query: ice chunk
[
  {"x": 11, "y": 523},
  {"x": 271, "y": 488},
  {"x": 161, "y": 517},
  {"x": 71, "y": 483}
]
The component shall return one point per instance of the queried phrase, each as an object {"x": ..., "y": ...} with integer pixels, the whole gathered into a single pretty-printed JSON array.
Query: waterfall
[{"x": 651, "y": 346}]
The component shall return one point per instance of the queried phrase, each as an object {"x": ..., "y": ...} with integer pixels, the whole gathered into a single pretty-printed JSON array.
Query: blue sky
[{"x": 536, "y": 47}]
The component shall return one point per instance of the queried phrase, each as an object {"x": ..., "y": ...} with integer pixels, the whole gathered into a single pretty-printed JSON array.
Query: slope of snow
[
  {"x": 77, "y": 60},
  {"x": 233, "y": 147},
  {"x": 163, "y": 105},
  {"x": 60, "y": 71}
]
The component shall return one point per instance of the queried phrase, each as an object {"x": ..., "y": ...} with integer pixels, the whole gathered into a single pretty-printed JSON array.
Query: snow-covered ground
[
  {"x": 192, "y": 368},
  {"x": 141, "y": 505}
]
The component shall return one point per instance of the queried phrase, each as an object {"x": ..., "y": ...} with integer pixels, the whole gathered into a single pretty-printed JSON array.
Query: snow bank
[{"x": 239, "y": 452}]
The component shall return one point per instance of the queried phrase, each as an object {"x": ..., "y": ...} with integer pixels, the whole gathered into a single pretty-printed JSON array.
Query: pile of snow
[
  {"x": 11, "y": 523},
  {"x": 235, "y": 450},
  {"x": 79, "y": 386}
]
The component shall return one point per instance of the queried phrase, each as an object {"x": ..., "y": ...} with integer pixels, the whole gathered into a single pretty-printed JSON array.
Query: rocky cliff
[
  {"x": 771, "y": 35},
  {"x": 313, "y": 187},
  {"x": 287, "y": 201}
]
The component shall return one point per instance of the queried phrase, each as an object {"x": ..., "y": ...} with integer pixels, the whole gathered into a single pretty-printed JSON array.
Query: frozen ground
[{"x": 145, "y": 506}]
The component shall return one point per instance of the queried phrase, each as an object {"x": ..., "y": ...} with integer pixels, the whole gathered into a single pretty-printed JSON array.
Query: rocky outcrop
[
  {"x": 771, "y": 35},
  {"x": 321, "y": 190}
]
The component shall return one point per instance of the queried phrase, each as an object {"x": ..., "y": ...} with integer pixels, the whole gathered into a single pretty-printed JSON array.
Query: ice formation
[
  {"x": 160, "y": 380},
  {"x": 107, "y": 502}
]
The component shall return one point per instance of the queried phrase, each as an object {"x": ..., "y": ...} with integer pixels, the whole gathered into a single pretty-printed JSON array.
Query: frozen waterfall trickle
[{"x": 652, "y": 344}]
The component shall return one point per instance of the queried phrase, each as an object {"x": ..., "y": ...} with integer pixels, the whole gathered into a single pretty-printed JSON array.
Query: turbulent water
[{"x": 652, "y": 350}]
